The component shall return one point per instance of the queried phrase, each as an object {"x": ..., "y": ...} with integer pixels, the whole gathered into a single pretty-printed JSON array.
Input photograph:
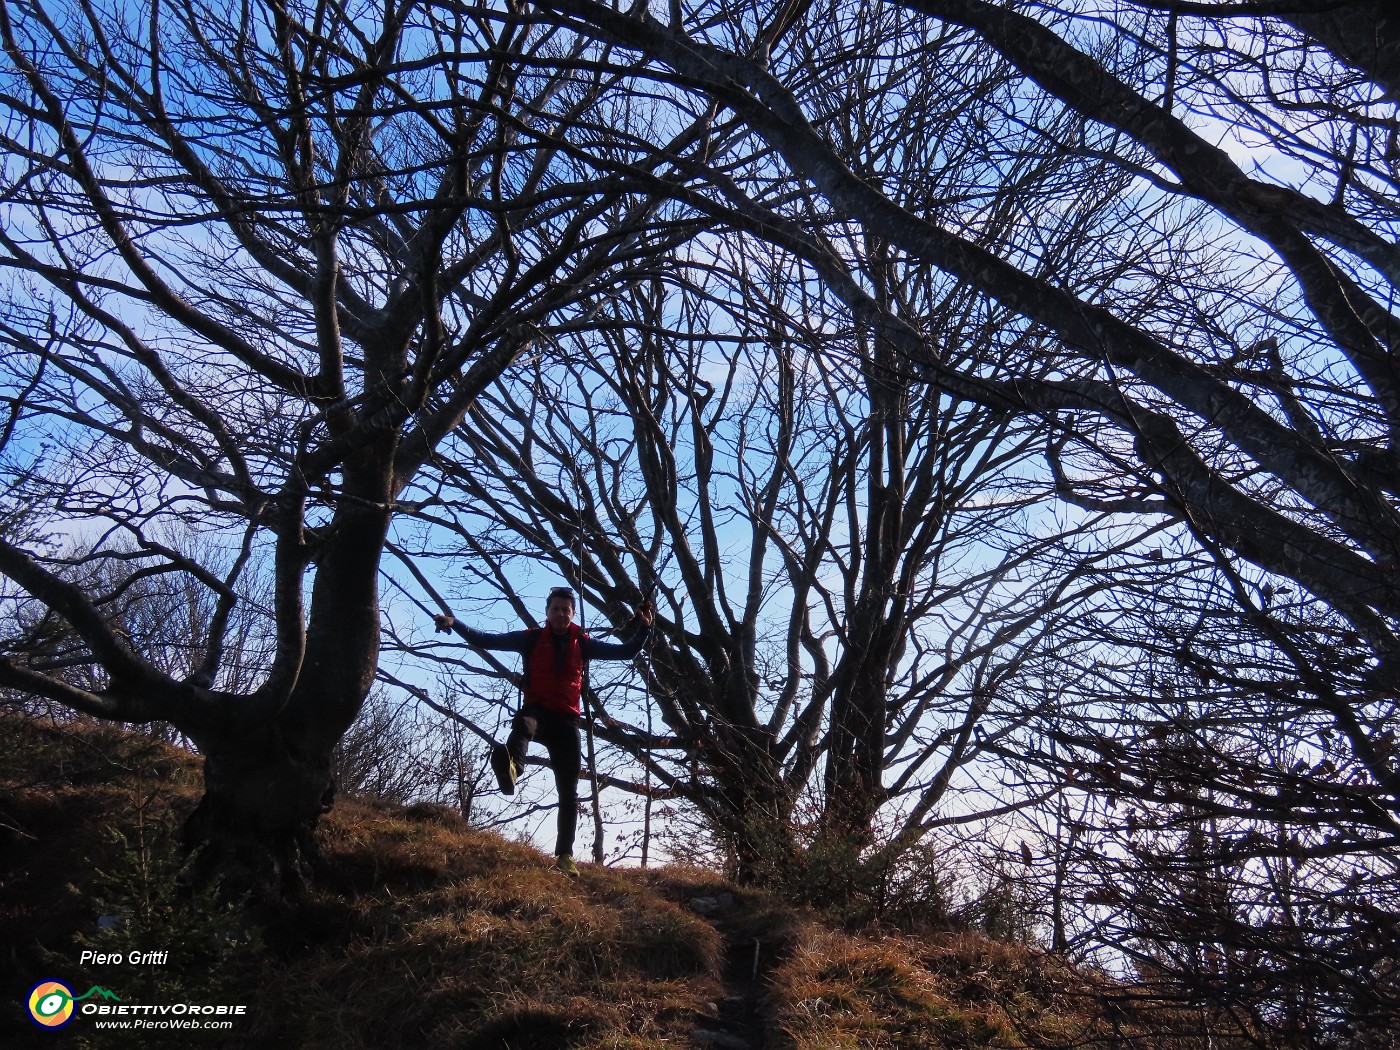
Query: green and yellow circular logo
[{"x": 51, "y": 1004}]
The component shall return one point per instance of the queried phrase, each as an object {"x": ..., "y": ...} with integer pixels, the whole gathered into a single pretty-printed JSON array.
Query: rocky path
[{"x": 753, "y": 947}]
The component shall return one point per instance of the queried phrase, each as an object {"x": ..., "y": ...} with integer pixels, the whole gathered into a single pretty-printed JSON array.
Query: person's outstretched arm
[
  {"x": 624, "y": 650},
  {"x": 511, "y": 641}
]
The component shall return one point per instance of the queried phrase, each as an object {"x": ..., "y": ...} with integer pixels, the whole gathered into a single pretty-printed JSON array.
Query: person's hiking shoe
[
  {"x": 566, "y": 864},
  {"x": 504, "y": 768}
]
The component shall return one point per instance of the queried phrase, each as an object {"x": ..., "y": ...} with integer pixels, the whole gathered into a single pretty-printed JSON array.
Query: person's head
[{"x": 559, "y": 609}]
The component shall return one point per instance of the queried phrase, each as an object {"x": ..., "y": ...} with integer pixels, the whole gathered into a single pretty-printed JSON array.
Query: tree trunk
[
  {"x": 756, "y": 816},
  {"x": 856, "y": 759},
  {"x": 253, "y": 832},
  {"x": 267, "y": 779},
  {"x": 765, "y": 848}
]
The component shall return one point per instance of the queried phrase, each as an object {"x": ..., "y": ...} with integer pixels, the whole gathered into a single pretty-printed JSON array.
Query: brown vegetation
[{"x": 422, "y": 932}]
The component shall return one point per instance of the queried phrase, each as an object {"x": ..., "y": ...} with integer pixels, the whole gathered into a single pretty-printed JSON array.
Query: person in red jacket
[{"x": 554, "y": 658}]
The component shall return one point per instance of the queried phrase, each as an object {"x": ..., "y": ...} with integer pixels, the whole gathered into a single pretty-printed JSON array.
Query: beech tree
[
  {"x": 857, "y": 487},
  {"x": 814, "y": 527},
  {"x": 1222, "y": 366},
  {"x": 258, "y": 262},
  {"x": 1259, "y": 417}
]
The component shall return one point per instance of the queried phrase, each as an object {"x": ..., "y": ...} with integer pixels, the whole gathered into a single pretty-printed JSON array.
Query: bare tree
[
  {"x": 857, "y": 480},
  {"x": 1221, "y": 364},
  {"x": 259, "y": 262},
  {"x": 802, "y": 512},
  {"x": 1213, "y": 823},
  {"x": 1266, "y": 444},
  {"x": 161, "y": 612}
]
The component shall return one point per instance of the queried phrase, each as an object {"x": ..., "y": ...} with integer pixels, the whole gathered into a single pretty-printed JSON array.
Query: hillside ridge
[{"x": 421, "y": 931}]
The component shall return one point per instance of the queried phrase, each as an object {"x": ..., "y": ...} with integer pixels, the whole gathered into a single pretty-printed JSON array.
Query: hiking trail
[{"x": 756, "y": 940}]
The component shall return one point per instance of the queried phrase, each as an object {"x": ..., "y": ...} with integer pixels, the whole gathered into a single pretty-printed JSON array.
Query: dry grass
[
  {"x": 423, "y": 933},
  {"x": 457, "y": 938},
  {"x": 838, "y": 990},
  {"x": 420, "y": 932},
  {"x": 961, "y": 990},
  {"x": 63, "y": 788}
]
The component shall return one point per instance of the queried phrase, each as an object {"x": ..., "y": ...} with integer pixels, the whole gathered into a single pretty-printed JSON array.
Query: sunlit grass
[{"x": 421, "y": 932}]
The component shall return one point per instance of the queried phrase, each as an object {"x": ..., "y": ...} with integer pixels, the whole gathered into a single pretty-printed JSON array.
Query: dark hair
[{"x": 561, "y": 592}]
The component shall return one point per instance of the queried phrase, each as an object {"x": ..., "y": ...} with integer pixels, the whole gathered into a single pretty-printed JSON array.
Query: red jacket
[
  {"x": 554, "y": 670},
  {"x": 554, "y": 676}
]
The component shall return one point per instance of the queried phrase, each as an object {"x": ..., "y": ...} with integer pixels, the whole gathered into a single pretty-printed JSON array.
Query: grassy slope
[{"x": 424, "y": 933}]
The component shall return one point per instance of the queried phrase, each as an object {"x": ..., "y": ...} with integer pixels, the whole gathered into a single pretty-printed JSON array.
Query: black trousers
[{"x": 559, "y": 733}]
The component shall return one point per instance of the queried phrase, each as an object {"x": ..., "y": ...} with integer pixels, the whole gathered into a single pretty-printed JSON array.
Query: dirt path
[{"x": 755, "y": 941}]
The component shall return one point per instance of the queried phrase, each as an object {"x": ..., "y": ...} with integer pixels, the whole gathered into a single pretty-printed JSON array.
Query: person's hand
[{"x": 443, "y": 622}]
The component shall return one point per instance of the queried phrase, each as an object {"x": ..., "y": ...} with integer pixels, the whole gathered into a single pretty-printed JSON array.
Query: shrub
[{"x": 146, "y": 906}]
